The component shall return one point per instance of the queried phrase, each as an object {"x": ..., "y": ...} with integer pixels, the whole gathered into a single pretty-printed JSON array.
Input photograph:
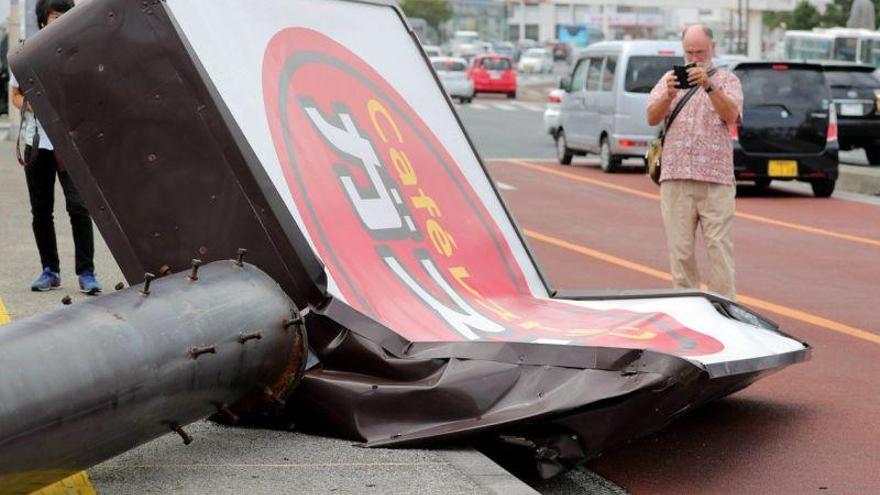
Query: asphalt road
[{"x": 808, "y": 263}]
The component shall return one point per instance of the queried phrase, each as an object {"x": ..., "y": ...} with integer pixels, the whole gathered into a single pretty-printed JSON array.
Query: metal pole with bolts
[{"x": 92, "y": 380}]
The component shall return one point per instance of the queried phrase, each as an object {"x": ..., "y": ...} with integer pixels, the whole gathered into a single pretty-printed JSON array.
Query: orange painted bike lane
[
  {"x": 846, "y": 219},
  {"x": 810, "y": 428}
]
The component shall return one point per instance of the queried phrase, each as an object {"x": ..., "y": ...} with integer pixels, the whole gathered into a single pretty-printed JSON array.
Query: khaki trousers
[{"x": 686, "y": 204}]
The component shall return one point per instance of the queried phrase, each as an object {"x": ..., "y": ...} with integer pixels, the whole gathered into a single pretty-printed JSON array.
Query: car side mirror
[{"x": 565, "y": 84}]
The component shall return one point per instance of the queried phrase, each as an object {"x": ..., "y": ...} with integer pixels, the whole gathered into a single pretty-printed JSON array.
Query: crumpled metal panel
[{"x": 187, "y": 144}]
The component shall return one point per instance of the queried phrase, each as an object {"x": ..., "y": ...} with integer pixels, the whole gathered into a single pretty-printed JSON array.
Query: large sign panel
[
  {"x": 406, "y": 237},
  {"x": 359, "y": 141}
]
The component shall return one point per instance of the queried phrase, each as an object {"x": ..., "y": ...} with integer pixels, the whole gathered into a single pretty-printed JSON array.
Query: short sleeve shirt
[
  {"x": 698, "y": 144},
  {"x": 32, "y": 126}
]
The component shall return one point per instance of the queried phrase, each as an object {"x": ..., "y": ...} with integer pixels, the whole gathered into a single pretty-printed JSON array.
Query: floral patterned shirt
[{"x": 698, "y": 145}]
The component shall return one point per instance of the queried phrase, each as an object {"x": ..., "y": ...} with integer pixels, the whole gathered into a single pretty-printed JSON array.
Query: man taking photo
[{"x": 697, "y": 186}]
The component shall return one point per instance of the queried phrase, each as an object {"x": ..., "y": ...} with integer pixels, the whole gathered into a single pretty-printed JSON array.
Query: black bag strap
[{"x": 679, "y": 106}]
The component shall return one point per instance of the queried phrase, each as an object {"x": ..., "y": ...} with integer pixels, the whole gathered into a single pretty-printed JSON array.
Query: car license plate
[
  {"x": 494, "y": 74},
  {"x": 782, "y": 168},
  {"x": 851, "y": 109}
]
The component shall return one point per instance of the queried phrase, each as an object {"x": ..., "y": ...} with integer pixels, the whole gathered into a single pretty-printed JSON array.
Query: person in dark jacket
[{"x": 41, "y": 167}]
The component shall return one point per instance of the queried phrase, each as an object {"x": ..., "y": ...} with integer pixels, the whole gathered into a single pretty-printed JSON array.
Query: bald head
[
  {"x": 698, "y": 43},
  {"x": 698, "y": 28}
]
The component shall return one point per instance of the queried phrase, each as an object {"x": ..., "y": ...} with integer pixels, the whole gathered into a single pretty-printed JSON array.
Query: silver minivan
[{"x": 603, "y": 108}]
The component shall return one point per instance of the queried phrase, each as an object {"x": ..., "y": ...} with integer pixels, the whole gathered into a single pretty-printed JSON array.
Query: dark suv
[
  {"x": 856, "y": 92},
  {"x": 789, "y": 126}
]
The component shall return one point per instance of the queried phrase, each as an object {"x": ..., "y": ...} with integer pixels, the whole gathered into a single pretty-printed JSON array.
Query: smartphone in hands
[{"x": 681, "y": 75}]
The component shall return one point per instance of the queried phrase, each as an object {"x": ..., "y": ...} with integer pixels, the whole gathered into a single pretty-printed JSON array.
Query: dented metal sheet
[{"x": 320, "y": 140}]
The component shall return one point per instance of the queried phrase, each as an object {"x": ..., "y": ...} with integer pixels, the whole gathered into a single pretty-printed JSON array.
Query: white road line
[
  {"x": 527, "y": 106},
  {"x": 477, "y": 106},
  {"x": 505, "y": 187},
  {"x": 504, "y": 106}
]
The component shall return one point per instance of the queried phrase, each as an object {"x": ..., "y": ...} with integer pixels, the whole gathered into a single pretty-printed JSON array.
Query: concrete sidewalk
[
  {"x": 859, "y": 180},
  {"x": 225, "y": 460}
]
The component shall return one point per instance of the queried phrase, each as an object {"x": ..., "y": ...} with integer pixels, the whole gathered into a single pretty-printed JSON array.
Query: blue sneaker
[
  {"x": 48, "y": 280},
  {"x": 88, "y": 284}
]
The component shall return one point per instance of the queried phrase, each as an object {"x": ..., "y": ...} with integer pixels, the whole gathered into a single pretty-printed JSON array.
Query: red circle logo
[{"x": 399, "y": 227}]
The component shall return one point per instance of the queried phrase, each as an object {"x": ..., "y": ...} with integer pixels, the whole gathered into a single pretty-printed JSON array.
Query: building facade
[{"x": 737, "y": 23}]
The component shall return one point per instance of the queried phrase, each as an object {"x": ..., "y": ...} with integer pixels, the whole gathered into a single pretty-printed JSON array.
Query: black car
[
  {"x": 856, "y": 92},
  {"x": 561, "y": 51},
  {"x": 789, "y": 126}
]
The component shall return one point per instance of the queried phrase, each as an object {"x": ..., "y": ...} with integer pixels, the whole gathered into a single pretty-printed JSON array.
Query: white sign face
[
  {"x": 230, "y": 41},
  {"x": 345, "y": 116}
]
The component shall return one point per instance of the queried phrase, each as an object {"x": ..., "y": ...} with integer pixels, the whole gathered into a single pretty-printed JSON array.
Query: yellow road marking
[
  {"x": 78, "y": 484},
  {"x": 754, "y": 302},
  {"x": 747, "y": 216},
  {"x": 4, "y": 314}
]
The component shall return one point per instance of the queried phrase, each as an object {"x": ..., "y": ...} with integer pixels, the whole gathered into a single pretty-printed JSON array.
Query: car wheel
[
  {"x": 763, "y": 183},
  {"x": 607, "y": 161},
  {"x": 511, "y": 95},
  {"x": 823, "y": 188},
  {"x": 873, "y": 154},
  {"x": 563, "y": 152}
]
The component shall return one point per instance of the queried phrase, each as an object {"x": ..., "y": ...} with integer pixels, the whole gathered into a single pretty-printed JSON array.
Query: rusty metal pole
[{"x": 86, "y": 382}]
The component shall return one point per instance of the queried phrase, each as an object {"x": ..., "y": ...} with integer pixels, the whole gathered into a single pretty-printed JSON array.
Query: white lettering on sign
[
  {"x": 464, "y": 320},
  {"x": 378, "y": 213}
]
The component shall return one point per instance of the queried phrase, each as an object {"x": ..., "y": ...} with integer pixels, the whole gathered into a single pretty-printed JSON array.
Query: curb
[
  {"x": 860, "y": 180},
  {"x": 484, "y": 472}
]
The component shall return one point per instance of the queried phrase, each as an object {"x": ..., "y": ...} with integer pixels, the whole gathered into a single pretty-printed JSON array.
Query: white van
[{"x": 603, "y": 108}]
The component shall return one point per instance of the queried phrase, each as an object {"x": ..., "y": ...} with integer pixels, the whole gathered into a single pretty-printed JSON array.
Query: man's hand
[
  {"x": 671, "y": 90},
  {"x": 698, "y": 75}
]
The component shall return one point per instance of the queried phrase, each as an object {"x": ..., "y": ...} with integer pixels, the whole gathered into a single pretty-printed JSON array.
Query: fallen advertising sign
[{"x": 320, "y": 139}]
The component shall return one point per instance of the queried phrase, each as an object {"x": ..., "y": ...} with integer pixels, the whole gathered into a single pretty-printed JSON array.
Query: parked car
[
  {"x": 789, "y": 126},
  {"x": 493, "y": 74},
  {"x": 536, "y": 60},
  {"x": 856, "y": 92},
  {"x": 562, "y": 51},
  {"x": 726, "y": 61},
  {"x": 523, "y": 45},
  {"x": 603, "y": 108},
  {"x": 505, "y": 48},
  {"x": 551, "y": 113},
  {"x": 432, "y": 51},
  {"x": 452, "y": 72},
  {"x": 483, "y": 46}
]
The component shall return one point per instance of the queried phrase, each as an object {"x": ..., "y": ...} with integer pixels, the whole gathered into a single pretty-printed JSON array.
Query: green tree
[
  {"x": 803, "y": 16},
  {"x": 434, "y": 12},
  {"x": 837, "y": 12}
]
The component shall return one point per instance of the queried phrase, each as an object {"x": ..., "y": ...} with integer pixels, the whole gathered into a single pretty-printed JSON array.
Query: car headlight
[{"x": 736, "y": 312}]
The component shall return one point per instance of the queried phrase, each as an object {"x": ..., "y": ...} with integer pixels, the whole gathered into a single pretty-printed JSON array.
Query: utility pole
[
  {"x": 747, "y": 31},
  {"x": 739, "y": 27}
]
